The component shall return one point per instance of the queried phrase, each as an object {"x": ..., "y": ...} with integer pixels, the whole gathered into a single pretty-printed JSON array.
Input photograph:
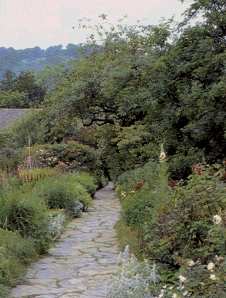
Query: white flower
[
  {"x": 219, "y": 258},
  {"x": 217, "y": 219},
  {"x": 182, "y": 278},
  {"x": 185, "y": 293},
  {"x": 162, "y": 154},
  {"x": 174, "y": 295},
  {"x": 213, "y": 276},
  {"x": 191, "y": 263},
  {"x": 210, "y": 266}
]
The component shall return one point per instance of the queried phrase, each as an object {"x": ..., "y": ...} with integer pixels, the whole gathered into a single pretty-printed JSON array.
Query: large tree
[
  {"x": 9, "y": 81},
  {"x": 109, "y": 83},
  {"x": 22, "y": 91},
  {"x": 173, "y": 86}
]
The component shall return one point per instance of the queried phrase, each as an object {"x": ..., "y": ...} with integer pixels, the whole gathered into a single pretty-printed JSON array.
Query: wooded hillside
[{"x": 35, "y": 59}]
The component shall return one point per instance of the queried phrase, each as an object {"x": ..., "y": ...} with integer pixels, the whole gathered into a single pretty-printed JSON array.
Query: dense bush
[
  {"x": 192, "y": 226},
  {"x": 24, "y": 213},
  {"x": 30, "y": 126},
  {"x": 15, "y": 99},
  {"x": 71, "y": 156},
  {"x": 127, "y": 236},
  {"x": 74, "y": 154},
  {"x": 135, "y": 206},
  {"x": 182, "y": 229},
  {"x": 15, "y": 254},
  {"x": 136, "y": 191},
  {"x": 64, "y": 193},
  {"x": 146, "y": 174},
  {"x": 10, "y": 153},
  {"x": 57, "y": 196},
  {"x": 85, "y": 179}
]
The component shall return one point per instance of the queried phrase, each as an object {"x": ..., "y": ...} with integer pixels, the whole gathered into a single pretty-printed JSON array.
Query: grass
[{"x": 127, "y": 236}]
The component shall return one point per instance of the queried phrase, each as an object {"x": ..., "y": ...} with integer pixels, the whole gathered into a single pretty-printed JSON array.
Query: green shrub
[
  {"x": 15, "y": 254},
  {"x": 12, "y": 183},
  {"x": 135, "y": 206},
  {"x": 27, "y": 215},
  {"x": 181, "y": 230},
  {"x": 71, "y": 157},
  {"x": 75, "y": 155},
  {"x": 190, "y": 226},
  {"x": 4, "y": 291},
  {"x": 136, "y": 201},
  {"x": 85, "y": 179},
  {"x": 61, "y": 193},
  {"x": 16, "y": 247},
  {"x": 147, "y": 174},
  {"x": 100, "y": 180},
  {"x": 127, "y": 236}
]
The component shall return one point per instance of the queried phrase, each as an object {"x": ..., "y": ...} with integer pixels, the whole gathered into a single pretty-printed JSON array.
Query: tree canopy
[{"x": 167, "y": 79}]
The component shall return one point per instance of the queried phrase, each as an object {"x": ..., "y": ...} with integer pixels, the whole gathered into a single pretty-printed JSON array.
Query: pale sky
[{"x": 44, "y": 23}]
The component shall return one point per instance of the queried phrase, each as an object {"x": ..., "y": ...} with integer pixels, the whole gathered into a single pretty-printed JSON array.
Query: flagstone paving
[{"x": 82, "y": 259}]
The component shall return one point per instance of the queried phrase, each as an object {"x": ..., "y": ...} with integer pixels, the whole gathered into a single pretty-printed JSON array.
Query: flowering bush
[
  {"x": 187, "y": 233},
  {"x": 73, "y": 154},
  {"x": 183, "y": 230}
]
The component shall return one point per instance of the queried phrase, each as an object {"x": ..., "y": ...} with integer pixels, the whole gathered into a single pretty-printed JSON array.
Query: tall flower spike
[{"x": 162, "y": 154}]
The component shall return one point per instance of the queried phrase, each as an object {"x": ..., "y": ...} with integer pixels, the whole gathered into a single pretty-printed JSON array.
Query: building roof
[{"x": 9, "y": 116}]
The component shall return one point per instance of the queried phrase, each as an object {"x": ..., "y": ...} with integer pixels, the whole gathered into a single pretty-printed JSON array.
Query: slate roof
[{"x": 9, "y": 116}]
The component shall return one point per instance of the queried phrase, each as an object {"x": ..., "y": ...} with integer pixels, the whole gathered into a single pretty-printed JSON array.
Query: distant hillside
[{"x": 35, "y": 59}]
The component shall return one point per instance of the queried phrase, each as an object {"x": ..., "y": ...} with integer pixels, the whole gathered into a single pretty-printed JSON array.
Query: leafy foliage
[
  {"x": 23, "y": 213},
  {"x": 63, "y": 193},
  {"x": 20, "y": 92},
  {"x": 182, "y": 230},
  {"x": 133, "y": 278}
]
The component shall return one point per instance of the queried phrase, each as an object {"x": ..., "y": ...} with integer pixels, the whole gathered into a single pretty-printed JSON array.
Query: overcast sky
[{"x": 44, "y": 23}]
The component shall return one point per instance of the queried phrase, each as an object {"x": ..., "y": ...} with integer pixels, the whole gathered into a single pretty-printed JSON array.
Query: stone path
[{"x": 81, "y": 261}]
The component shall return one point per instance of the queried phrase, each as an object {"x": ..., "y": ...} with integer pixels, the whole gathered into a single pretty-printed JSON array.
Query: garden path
[{"x": 81, "y": 261}]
